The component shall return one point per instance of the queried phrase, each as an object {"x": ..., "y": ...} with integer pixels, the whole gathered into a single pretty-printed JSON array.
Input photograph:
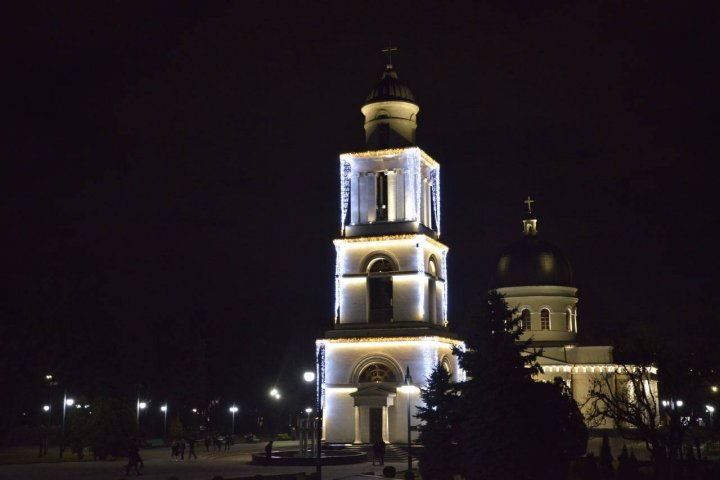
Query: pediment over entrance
[{"x": 374, "y": 395}]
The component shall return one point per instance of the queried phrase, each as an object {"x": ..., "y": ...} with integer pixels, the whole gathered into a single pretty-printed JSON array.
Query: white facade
[
  {"x": 550, "y": 317},
  {"x": 391, "y": 280}
]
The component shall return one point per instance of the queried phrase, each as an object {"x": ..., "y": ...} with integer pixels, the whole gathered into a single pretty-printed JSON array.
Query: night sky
[{"x": 169, "y": 183}]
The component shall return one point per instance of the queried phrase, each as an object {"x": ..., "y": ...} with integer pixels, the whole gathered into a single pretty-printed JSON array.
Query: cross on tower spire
[
  {"x": 389, "y": 49},
  {"x": 529, "y": 201}
]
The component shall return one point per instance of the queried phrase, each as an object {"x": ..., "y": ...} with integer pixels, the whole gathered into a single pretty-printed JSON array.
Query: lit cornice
[
  {"x": 390, "y": 152},
  {"x": 391, "y": 238}
]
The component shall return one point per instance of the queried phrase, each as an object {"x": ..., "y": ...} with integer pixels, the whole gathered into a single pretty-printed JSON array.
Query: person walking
[
  {"x": 268, "y": 449},
  {"x": 182, "y": 449},
  {"x": 381, "y": 445},
  {"x": 175, "y": 449},
  {"x": 134, "y": 460},
  {"x": 191, "y": 449}
]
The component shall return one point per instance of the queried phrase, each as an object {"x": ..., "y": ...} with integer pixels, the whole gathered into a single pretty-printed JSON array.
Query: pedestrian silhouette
[
  {"x": 191, "y": 449},
  {"x": 134, "y": 460},
  {"x": 268, "y": 449}
]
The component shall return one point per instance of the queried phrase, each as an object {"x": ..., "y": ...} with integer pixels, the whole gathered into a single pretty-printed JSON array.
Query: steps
[{"x": 393, "y": 453}]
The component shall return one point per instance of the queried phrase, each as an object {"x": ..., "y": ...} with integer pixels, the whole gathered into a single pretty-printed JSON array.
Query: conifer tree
[
  {"x": 500, "y": 422},
  {"x": 438, "y": 418}
]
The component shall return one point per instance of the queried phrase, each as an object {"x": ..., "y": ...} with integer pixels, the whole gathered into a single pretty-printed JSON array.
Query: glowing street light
[
  {"x": 679, "y": 403},
  {"x": 309, "y": 377},
  {"x": 233, "y": 410},
  {"x": 67, "y": 402},
  {"x": 140, "y": 406},
  {"x": 163, "y": 408},
  {"x": 714, "y": 388},
  {"x": 275, "y": 394}
]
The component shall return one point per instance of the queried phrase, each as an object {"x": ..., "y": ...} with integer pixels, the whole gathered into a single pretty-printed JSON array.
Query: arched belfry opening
[
  {"x": 432, "y": 291},
  {"x": 380, "y": 290}
]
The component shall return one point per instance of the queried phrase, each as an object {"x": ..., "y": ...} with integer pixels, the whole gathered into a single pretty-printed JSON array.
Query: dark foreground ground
[{"x": 159, "y": 466}]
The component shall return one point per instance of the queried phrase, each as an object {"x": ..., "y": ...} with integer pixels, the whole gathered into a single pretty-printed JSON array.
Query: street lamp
[
  {"x": 140, "y": 406},
  {"x": 408, "y": 388},
  {"x": 311, "y": 377},
  {"x": 163, "y": 408},
  {"x": 679, "y": 403},
  {"x": 233, "y": 410},
  {"x": 67, "y": 402},
  {"x": 275, "y": 394}
]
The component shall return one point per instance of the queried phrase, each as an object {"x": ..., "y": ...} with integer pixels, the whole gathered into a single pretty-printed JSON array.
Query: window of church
[
  {"x": 432, "y": 269},
  {"x": 377, "y": 372},
  {"x": 380, "y": 265},
  {"x": 447, "y": 366},
  {"x": 381, "y": 197},
  {"x": 544, "y": 319},
  {"x": 568, "y": 320},
  {"x": 432, "y": 291},
  {"x": 525, "y": 322},
  {"x": 380, "y": 291}
]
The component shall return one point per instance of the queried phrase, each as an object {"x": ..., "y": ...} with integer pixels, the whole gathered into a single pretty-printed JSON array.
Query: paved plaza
[{"x": 159, "y": 466}]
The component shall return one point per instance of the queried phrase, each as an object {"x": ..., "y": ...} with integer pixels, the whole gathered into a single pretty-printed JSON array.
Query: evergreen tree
[
  {"x": 437, "y": 424},
  {"x": 508, "y": 425}
]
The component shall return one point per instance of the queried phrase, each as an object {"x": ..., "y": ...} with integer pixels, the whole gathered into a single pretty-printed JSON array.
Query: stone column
[
  {"x": 358, "y": 438},
  {"x": 385, "y": 424}
]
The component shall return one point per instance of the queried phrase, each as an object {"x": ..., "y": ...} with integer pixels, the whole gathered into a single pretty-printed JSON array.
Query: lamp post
[
  {"x": 711, "y": 410},
  {"x": 408, "y": 387},
  {"x": 233, "y": 410},
  {"x": 46, "y": 408},
  {"x": 163, "y": 408},
  {"x": 140, "y": 406},
  {"x": 313, "y": 377},
  {"x": 67, "y": 402},
  {"x": 44, "y": 432}
]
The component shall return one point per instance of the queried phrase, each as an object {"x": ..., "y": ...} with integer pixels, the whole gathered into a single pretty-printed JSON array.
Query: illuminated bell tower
[{"x": 390, "y": 278}]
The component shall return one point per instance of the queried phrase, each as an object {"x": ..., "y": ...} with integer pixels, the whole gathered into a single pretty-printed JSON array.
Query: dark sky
[{"x": 169, "y": 169}]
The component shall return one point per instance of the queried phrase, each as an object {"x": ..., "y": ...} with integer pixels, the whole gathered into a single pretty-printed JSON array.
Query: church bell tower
[{"x": 390, "y": 278}]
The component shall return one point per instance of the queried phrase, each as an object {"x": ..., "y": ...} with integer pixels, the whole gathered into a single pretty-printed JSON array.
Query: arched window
[
  {"x": 447, "y": 366},
  {"x": 432, "y": 268},
  {"x": 525, "y": 322},
  {"x": 544, "y": 319},
  {"x": 380, "y": 290},
  {"x": 432, "y": 291},
  {"x": 377, "y": 372},
  {"x": 568, "y": 320},
  {"x": 379, "y": 265}
]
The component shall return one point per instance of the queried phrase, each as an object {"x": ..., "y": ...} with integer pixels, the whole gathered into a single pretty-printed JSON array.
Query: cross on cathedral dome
[{"x": 532, "y": 261}]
